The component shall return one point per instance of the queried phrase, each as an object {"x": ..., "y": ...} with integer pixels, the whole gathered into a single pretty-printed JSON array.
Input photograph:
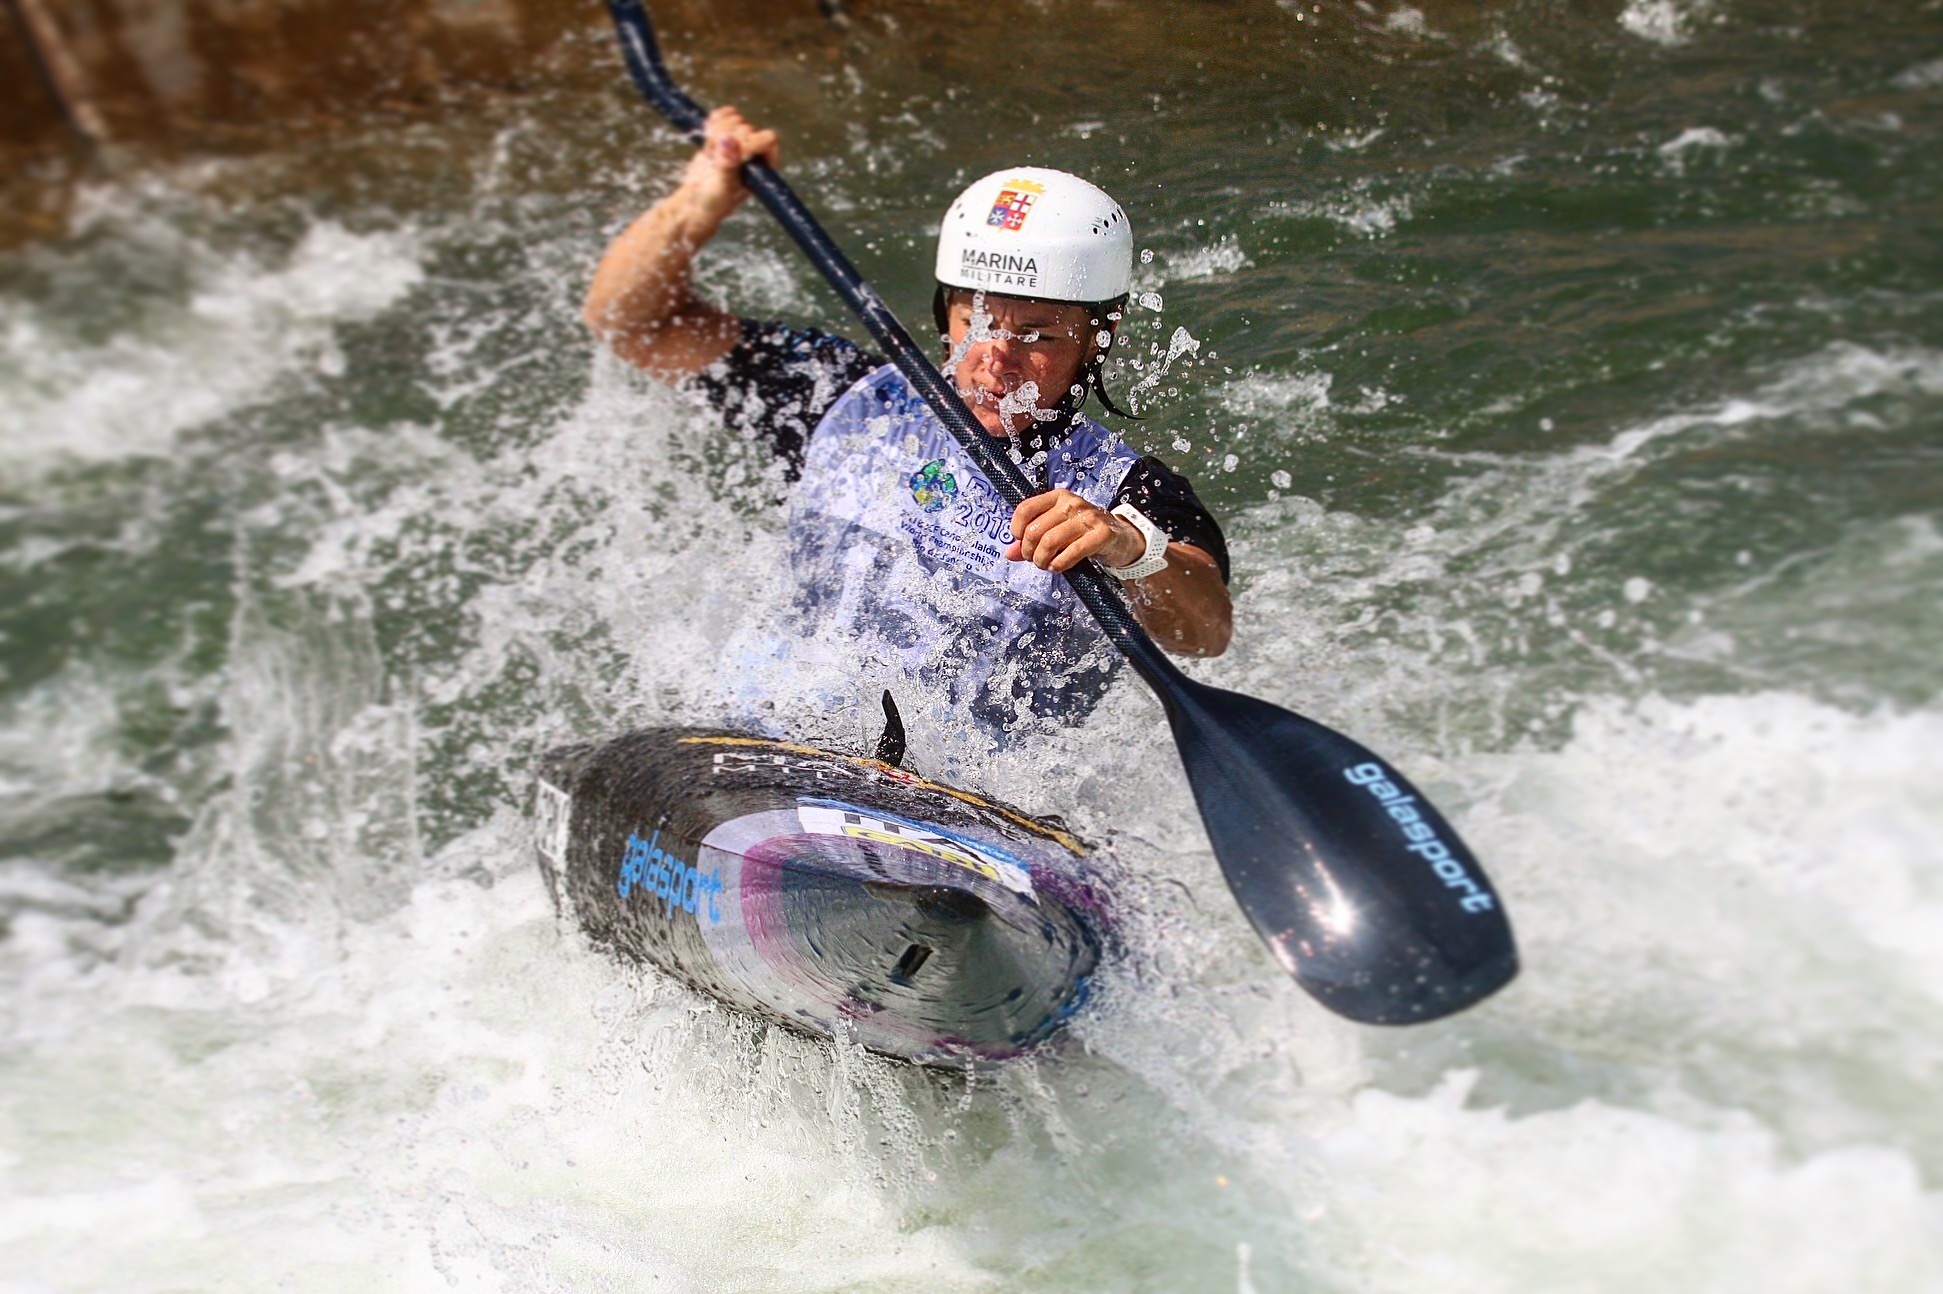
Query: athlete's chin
[{"x": 989, "y": 421}]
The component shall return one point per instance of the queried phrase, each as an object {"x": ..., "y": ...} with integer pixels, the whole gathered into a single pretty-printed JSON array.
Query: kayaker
[{"x": 894, "y": 534}]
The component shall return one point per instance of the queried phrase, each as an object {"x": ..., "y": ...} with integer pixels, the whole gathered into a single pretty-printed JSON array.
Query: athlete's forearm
[
  {"x": 1185, "y": 606},
  {"x": 642, "y": 302}
]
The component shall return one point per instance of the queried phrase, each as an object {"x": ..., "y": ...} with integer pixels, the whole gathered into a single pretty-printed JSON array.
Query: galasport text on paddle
[{"x": 1357, "y": 884}]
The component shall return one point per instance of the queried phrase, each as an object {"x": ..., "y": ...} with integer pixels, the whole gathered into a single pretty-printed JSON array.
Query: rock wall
[{"x": 182, "y": 69}]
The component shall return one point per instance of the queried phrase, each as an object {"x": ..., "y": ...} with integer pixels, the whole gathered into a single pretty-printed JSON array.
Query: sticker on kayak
[
  {"x": 831, "y": 818},
  {"x": 552, "y": 816}
]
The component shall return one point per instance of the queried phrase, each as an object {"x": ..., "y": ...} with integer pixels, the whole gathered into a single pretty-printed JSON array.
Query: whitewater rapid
[{"x": 321, "y": 527}]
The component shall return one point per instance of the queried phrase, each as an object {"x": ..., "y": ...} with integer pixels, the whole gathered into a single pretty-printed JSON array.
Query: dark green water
[{"x": 1570, "y": 380}]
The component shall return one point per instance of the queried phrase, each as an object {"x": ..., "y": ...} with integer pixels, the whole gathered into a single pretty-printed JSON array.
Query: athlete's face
[{"x": 1000, "y": 344}]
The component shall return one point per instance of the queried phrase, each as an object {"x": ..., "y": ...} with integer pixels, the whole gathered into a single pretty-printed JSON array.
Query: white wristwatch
[{"x": 1153, "y": 559}]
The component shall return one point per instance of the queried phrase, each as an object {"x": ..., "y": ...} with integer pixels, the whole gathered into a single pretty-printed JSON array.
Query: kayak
[{"x": 833, "y": 894}]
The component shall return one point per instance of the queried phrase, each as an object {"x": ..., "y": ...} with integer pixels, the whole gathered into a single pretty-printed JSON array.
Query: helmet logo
[
  {"x": 998, "y": 269},
  {"x": 1014, "y": 204}
]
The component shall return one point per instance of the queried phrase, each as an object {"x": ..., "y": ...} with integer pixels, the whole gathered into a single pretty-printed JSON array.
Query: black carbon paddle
[{"x": 1360, "y": 888}]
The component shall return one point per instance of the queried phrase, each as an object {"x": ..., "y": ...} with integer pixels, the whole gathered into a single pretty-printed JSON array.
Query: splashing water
[
  {"x": 1181, "y": 343},
  {"x": 1023, "y": 400}
]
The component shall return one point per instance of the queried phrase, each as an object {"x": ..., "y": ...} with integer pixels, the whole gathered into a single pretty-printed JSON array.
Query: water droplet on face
[{"x": 1025, "y": 400}]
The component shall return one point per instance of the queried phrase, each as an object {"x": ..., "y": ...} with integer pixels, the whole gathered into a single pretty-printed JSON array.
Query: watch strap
[{"x": 1154, "y": 559}]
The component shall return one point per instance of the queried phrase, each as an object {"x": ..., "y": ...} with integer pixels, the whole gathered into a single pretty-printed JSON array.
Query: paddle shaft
[{"x": 1096, "y": 591}]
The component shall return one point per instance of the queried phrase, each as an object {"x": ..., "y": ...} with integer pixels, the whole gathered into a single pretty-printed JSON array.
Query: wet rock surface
[{"x": 84, "y": 82}]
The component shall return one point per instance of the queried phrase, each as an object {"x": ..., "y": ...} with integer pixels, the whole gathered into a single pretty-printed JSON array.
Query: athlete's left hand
[{"x": 1058, "y": 530}]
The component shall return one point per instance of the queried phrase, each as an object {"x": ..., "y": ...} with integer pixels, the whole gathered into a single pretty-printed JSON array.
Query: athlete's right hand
[{"x": 714, "y": 177}]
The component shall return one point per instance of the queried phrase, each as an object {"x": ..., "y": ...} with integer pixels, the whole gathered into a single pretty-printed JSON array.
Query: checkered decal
[{"x": 1011, "y": 209}]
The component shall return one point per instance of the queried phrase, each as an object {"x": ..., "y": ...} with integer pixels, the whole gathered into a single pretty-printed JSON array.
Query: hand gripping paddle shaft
[{"x": 1360, "y": 888}]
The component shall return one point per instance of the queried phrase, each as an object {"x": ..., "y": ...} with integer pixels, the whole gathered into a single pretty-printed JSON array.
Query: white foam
[
  {"x": 1264, "y": 393},
  {"x": 454, "y": 1090},
  {"x": 1731, "y": 919},
  {"x": 1664, "y": 22},
  {"x": 1407, "y": 19},
  {"x": 346, "y": 1056},
  {"x": 1692, "y": 144},
  {"x": 1354, "y": 141},
  {"x": 182, "y": 363},
  {"x": 1808, "y": 391},
  {"x": 59, "y": 738},
  {"x": 1354, "y": 209},
  {"x": 1727, "y": 909},
  {"x": 1923, "y": 76},
  {"x": 1599, "y": 1198},
  {"x": 1222, "y": 256}
]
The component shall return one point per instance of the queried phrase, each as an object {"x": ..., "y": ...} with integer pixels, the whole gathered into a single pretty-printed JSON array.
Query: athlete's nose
[{"x": 1002, "y": 353}]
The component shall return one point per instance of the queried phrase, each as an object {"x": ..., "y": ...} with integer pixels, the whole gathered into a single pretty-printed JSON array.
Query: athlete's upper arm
[{"x": 681, "y": 346}]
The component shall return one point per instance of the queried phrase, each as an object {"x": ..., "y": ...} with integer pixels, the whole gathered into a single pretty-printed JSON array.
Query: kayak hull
[{"x": 832, "y": 894}]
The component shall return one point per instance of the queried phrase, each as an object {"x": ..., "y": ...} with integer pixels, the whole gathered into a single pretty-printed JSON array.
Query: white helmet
[{"x": 1033, "y": 232}]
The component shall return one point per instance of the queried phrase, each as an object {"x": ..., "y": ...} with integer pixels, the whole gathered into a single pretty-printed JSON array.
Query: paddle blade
[{"x": 1359, "y": 887}]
